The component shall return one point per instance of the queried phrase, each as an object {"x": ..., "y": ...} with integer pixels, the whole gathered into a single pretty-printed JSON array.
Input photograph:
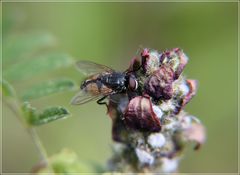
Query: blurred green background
[{"x": 110, "y": 34}]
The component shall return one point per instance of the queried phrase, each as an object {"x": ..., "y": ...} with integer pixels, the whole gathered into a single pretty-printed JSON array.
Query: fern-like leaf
[
  {"x": 47, "y": 115},
  {"x": 18, "y": 46},
  {"x": 48, "y": 88},
  {"x": 35, "y": 66}
]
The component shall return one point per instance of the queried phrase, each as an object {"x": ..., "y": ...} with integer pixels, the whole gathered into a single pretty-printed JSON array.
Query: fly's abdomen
[{"x": 95, "y": 87}]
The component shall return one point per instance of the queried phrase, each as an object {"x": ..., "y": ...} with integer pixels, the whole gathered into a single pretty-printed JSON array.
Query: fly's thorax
[{"x": 115, "y": 81}]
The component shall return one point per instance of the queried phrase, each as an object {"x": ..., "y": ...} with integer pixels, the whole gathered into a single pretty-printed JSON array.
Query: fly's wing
[
  {"x": 83, "y": 97},
  {"x": 91, "y": 68},
  {"x": 90, "y": 93}
]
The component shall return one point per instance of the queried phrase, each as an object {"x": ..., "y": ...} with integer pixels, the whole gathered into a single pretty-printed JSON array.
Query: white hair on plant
[
  {"x": 156, "y": 140},
  {"x": 157, "y": 111},
  {"x": 169, "y": 165},
  {"x": 144, "y": 157}
]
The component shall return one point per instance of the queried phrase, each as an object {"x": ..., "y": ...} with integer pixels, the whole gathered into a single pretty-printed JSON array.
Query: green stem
[
  {"x": 42, "y": 151},
  {"x": 15, "y": 108}
]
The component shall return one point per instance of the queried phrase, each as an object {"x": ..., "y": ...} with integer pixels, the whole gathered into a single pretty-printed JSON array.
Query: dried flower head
[
  {"x": 149, "y": 121},
  {"x": 139, "y": 115}
]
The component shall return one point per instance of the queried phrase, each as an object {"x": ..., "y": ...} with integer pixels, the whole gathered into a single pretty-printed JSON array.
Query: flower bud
[
  {"x": 159, "y": 84},
  {"x": 150, "y": 61},
  {"x": 140, "y": 116},
  {"x": 176, "y": 59}
]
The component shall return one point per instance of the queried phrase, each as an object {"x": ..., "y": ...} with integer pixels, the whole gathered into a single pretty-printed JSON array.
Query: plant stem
[
  {"x": 42, "y": 151},
  {"x": 15, "y": 108}
]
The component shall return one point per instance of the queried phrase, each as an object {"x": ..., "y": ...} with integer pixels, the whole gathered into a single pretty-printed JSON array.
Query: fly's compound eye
[{"x": 132, "y": 82}]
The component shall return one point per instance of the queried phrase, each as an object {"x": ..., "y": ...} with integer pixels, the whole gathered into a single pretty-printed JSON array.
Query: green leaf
[
  {"x": 48, "y": 88},
  {"x": 16, "y": 47},
  {"x": 35, "y": 66},
  {"x": 29, "y": 112},
  {"x": 6, "y": 89},
  {"x": 46, "y": 116},
  {"x": 50, "y": 114},
  {"x": 67, "y": 162}
]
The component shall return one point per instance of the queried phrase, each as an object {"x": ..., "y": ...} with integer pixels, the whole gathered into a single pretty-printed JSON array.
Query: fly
[{"x": 101, "y": 82}]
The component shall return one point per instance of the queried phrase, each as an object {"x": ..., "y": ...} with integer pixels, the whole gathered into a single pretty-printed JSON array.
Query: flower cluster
[{"x": 150, "y": 128}]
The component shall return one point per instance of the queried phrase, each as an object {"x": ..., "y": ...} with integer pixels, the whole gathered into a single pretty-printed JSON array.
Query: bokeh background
[{"x": 110, "y": 34}]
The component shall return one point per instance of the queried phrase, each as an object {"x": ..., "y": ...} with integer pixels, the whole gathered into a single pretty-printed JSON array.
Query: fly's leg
[
  {"x": 101, "y": 102},
  {"x": 122, "y": 117}
]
